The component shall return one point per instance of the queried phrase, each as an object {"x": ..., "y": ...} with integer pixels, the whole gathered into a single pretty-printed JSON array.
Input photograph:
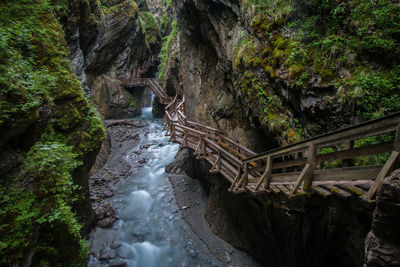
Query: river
[{"x": 150, "y": 230}]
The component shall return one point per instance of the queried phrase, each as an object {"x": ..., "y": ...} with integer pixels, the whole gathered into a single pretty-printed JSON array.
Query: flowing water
[{"x": 151, "y": 231}]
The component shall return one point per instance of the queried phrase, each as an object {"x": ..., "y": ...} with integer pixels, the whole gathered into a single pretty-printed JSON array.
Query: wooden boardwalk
[{"x": 293, "y": 170}]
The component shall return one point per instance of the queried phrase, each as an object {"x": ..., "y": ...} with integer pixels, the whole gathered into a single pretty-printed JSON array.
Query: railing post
[
  {"x": 390, "y": 164},
  {"x": 311, "y": 161},
  {"x": 219, "y": 161},
  {"x": 348, "y": 145},
  {"x": 236, "y": 180},
  {"x": 172, "y": 138},
  {"x": 268, "y": 173},
  {"x": 184, "y": 140},
  {"x": 245, "y": 178},
  {"x": 197, "y": 150}
]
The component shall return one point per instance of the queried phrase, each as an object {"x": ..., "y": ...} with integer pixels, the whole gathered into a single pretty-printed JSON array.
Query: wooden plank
[
  {"x": 284, "y": 177},
  {"x": 255, "y": 192},
  {"x": 348, "y": 173},
  {"x": 289, "y": 163},
  {"x": 338, "y": 191},
  {"x": 274, "y": 189},
  {"x": 204, "y": 126},
  {"x": 283, "y": 190},
  {"x": 321, "y": 191},
  {"x": 227, "y": 155},
  {"x": 233, "y": 151},
  {"x": 355, "y": 190},
  {"x": 392, "y": 161},
  {"x": 356, "y": 152},
  {"x": 236, "y": 144},
  {"x": 365, "y": 186}
]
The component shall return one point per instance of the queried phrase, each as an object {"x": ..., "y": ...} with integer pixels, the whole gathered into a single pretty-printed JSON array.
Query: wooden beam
[
  {"x": 244, "y": 178},
  {"x": 239, "y": 173},
  {"x": 301, "y": 177},
  {"x": 339, "y": 192},
  {"x": 396, "y": 142},
  {"x": 391, "y": 162},
  {"x": 321, "y": 191},
  {"x": 356, "y": 152},
  {"x": 268, "y": 173},
  {"x": 370, "y": 128},
  {"x": 348, "y": 173},
  {"x": 308, "y": 179}
]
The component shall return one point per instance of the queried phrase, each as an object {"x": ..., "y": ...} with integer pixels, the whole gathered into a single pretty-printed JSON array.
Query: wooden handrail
[
  {"x": 370, "y": 128},
  {"x": 295, "y": 165}
]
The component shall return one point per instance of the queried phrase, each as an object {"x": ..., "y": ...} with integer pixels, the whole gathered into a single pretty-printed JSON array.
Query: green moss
[
  {"x": 119, "y": 9},
  {"x": 35, "y": 78},
  {"x": 281, "y": 43},
  {"x": 324, "y": 37},
  {"x": 355, "y": 190},
  {"x": 165, "y": 52},
  {"x": 296, "y": 70},
  {"x": 165, "y": 22},
  {"x": 132, "y": 99},
  {"x": 149, "y": 28},
  {"x": 245, "y": 53}
]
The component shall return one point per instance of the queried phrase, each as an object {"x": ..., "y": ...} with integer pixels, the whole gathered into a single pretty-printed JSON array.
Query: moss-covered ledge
[{"x": 55, "y": 132}]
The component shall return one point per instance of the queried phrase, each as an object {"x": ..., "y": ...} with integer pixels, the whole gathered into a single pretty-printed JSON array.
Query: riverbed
[{"x": 140, "y": 223}]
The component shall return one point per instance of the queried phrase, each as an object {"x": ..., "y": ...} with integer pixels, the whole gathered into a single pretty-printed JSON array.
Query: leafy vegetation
[
  {"x": 38, "y": 88},
  {"x": 351, "y": 46},
  {"x": 149, "y": 28},
  {"x": 127, "y": 8},
  {"x": 166, "y": 50}
]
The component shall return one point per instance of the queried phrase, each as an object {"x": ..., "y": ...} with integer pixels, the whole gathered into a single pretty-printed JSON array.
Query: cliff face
[
  {"x": 382, "y": 246},
  {"x": 109, "y": 40},
  {"x": 50, "y": 138},
  {"x": 286, "y": 70}
]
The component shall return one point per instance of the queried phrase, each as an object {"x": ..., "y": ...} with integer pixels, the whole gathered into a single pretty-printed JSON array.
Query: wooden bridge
[{"x": 298, "y": 169}]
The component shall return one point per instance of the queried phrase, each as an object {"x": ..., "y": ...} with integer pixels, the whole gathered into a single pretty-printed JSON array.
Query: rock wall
[
  {"x": 107, "y": 42},
  {"x": 250, "y": 68},
  {"x": 51, "y": 136},
  {"x": 382, "y": 246}
]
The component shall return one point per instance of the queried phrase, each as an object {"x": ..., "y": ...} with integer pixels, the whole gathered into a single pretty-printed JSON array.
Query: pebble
[
  {"x": 107, "y": 255},
  {"x": 115, "y": 245},
  {"x": 194, "y": 253},
  {"x": 228, "y": 257}
]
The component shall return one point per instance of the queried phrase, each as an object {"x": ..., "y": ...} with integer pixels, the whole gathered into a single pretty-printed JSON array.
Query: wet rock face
[
  {"x": 382, "y": 245},
  {"x": 202, "y": 69},
  {"x": 107, "y": 43}
]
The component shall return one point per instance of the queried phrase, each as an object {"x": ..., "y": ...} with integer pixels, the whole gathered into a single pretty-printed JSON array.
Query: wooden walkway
[{"x": 293, "y": 170}]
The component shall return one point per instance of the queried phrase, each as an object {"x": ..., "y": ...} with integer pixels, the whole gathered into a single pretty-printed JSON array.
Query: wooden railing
[
  {"x": 298, "y": 163},
  {"x": 134, "y": 81},
  {"x": 296, "y": 169}
]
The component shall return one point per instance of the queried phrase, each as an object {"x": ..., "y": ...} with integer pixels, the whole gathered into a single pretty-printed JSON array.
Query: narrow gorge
[{"x": 199, "y": 133}]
